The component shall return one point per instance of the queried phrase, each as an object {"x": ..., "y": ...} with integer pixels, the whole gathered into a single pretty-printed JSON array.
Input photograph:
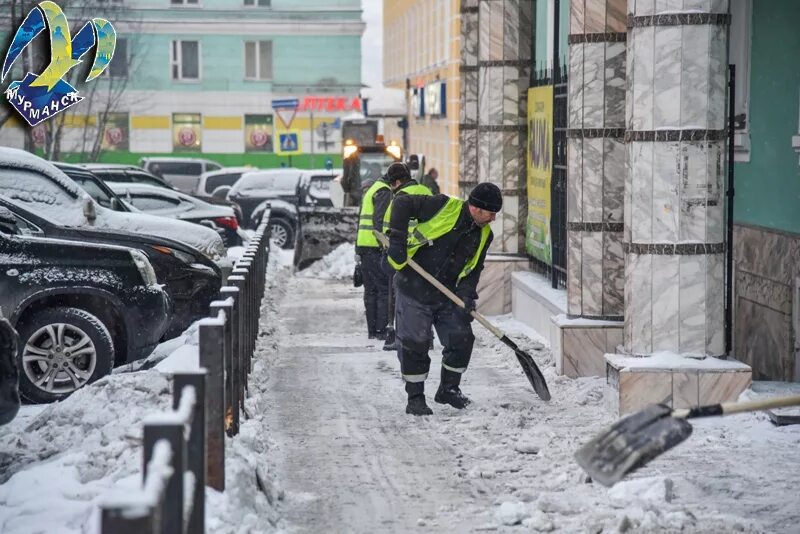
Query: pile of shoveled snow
[{"x": 338, "y": 264}]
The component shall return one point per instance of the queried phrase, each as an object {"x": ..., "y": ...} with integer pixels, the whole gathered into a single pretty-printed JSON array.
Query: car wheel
[
  {"x": 62, "y": 350},
  {"x": 282, "y": 233}
]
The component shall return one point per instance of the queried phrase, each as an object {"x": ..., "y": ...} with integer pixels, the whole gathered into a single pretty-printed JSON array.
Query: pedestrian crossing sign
[{"x": 288, "y": 143}]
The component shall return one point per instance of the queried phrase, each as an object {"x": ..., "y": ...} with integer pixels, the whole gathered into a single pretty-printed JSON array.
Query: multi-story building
[
  {"x": 200, "y": 77},
  {"x": 421, "y": 55}
]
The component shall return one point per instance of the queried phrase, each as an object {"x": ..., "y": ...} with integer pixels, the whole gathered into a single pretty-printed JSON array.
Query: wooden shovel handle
[
  {"x": 729, "y": 408},
  {"x": 441, "y": 287}
]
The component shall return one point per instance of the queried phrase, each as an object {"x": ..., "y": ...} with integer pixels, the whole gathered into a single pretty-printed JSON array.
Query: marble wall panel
[
  {"x": 616, "y": 18},
  {"x": 522, "y": 86},
  {"x": 685, "y": 390},
  {"x": 496, "y": 27},
  {"x": 693, "y": 191},
  {"x": 715, "y": 206},
  {"x": 666, "y": 296},
  {"x": 582, "y": 352},
  {"x": 526, "y": 24},
  {"x": 469, "y": 91},
  {"x": 764, "y": 292},
  {"x": 576, "y": 16},
  {"x": 594, "y": 66},
  {"x": 593, "y": 179},
  {"x": 613, "y": 274},
  {"x": 668, "y": 6},
  {"x": 574, "y": 273},
  {"x": 706, "y": 6},
  {"x": 628, "y": 80},
  {"x": 633, "y": 387},
  {"x": 496, "y": 159},
  {"x": 771, "y": 255},
  {"x": 574, "y": 180},
  {"x": 513, "y": 166},
  {"x": 468, "y": 162},
  {"x": 639, "y": 303},
  {"x": 511, "y": 29},
  {"x": 627, "y": 203},
  {"x": 692, "y": 297},
  {"x": 484, "y": 95},
  {"x": 666, "y": 200},
  {"x": 595, "y": 16},
  {"x": 715, "y": 304},
  {"x": 511, "y": 227},
  {"x": 613, "y": 340},
  {"x": 469, "y": 39},
  {"x": 722, "y": 387},
  {"x": 763, "y": 340},
  {"x": 641, "y": 219},
  {"x": 495, "y": 80},
  {"x": 695, "y": 76},
  {"x": 641, "y": 7},
  {"x": 510, "y": 96},
  {"x": 667, "y": 78},
  {"x": 642, "y": 70},
  {"x": 718, "y": 78},
  {"x": 484, "y": 30},
  {"x": 614, "y": 112},
  {"x": 484, "y": 150},
  {"x": 627, "y": 327},
  {"x": 575, "y": 87},
  {"x": 614, "y": 159},
  {"x": 592, "y": 273}
]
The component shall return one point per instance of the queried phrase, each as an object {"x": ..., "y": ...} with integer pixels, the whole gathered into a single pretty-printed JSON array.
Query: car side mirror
[{"x": 89, "y": 210}]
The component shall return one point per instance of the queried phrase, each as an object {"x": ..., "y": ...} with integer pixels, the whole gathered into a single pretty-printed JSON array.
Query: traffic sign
[
  {"x": 288, "y": 143},
  {"x": 285, "y": 109}
]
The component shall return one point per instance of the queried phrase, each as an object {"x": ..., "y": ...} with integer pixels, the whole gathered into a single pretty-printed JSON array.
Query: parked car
[
  {"x": 79, "y": 308},
  {"x": 255, "y": 187},
  {"x": 9, "y": 372},
  {"x": 97, "y": 188},
  {"x": 128, "y": 174},
  {"x": 313, "y": 189},
  {"x": 183, "y": 173},
  {"x": 174, "y": 204},
  {"x": 190, "y": 279},
  {"x": 50, "y": 193},
  {"x": 218, "y": 183}
]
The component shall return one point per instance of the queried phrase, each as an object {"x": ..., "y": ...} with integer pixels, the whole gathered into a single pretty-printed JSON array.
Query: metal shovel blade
[
  {"x": 531, "y": 370},
  {"x": 632, "y": 442}
]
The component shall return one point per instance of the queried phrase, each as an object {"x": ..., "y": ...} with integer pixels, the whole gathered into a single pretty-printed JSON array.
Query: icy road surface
[{"x": 349, "y": 459}]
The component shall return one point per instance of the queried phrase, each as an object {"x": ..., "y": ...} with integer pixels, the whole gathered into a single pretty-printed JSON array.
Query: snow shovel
[
  {"x": 529, "y": 366},
  {"x": 636, "y": 439}
]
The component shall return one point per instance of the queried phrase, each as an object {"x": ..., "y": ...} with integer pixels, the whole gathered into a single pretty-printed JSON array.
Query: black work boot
[
  {"x": 416, "y": 399},
  {"x": 449, "y": 392},
  {"x": 391, "y": 340}
]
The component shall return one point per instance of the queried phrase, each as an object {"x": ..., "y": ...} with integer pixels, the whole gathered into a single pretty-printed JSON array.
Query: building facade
[
  {"x": 200, "y": 77},
  {"x": 421, "y": 55}
]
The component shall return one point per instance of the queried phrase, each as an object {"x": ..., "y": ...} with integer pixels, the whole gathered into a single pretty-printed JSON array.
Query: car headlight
[
  {"x": 181, "y": 256},
  {"x": 144, "y": 267}
]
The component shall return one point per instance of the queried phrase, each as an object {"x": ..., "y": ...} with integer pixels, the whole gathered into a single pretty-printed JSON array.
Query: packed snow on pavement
[{"x": 326, "y": 446}]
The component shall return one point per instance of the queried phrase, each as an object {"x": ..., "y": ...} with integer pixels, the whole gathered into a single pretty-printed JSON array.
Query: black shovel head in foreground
[
  {"x": 531, "y": 370},
  {"x": 631, "y": 442}
]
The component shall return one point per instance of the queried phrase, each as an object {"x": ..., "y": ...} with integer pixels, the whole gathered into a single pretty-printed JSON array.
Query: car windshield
[
  {"x": 374, "y": 165},
  {"x": 229, "y": 178}
]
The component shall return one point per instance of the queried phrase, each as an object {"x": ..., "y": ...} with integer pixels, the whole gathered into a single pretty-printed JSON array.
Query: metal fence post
[
  {"x": 232, "y": 333},
  {"x": 171, "y": 517},
  {"x": 118, "y": 520},
  {"x": 196, "y": 448},
  {"x": 239, "y": 331},
  {"x": 212, "y": 358}
]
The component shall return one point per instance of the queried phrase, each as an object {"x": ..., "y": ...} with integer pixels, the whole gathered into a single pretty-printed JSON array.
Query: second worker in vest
[{"x": 449, "y": 242}]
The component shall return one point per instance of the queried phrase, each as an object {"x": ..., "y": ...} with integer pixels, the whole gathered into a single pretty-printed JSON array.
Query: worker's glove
[
  {"x": 397, "y": 254},
  {"x": 469, "y": 306},
  {"x": 358, "y": 276}
]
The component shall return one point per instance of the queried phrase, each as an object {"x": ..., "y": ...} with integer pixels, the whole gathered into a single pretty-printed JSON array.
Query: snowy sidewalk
[{"x": 350, "y": 460}]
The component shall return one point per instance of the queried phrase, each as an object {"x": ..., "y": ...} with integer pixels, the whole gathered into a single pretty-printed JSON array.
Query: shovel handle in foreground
[
  {"x": 529, "y": 367},
  {"x": 636, "y": 439}
]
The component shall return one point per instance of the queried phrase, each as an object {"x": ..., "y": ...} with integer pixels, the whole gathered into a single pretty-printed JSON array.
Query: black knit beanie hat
[
  {"x": 486, "y": 196},
  {"x": 397, "y": 171}
]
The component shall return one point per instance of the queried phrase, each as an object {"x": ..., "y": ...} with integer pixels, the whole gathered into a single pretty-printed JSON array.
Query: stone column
[
  {"x": 468, "y": 120},
  {"x": 596, "y": 159},
  {"x": 674, "y": 232},
  {"x": 504, "y": 31}
]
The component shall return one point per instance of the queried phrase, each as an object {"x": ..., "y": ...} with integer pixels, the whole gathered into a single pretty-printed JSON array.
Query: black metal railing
[
  {"x": 184, "y": 449},
  {"x": 557, "y": 272}
]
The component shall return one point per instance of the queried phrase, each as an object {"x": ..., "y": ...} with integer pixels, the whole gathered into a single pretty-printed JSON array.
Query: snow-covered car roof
[
  {"x": 228, "y": 170},
  {"x": 20, "y": 159}
]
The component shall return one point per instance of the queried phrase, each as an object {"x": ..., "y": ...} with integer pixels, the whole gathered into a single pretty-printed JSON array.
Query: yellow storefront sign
[{"x": 540, "y": 171}]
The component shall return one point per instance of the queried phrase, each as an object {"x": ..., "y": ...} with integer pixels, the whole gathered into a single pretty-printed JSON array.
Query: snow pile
[{"x": 338, "y": 264}]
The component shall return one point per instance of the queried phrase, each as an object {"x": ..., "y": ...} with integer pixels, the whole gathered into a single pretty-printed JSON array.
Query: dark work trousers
[
  {"x": 376, "y": 291},
  {"x": 413, "y": 322}
]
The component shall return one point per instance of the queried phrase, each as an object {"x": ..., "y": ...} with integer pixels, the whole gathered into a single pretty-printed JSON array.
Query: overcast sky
[{"x": 372, "y": 43}]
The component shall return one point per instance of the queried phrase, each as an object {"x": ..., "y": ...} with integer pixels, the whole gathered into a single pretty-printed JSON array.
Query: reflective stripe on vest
[
  {"x": 415, "y": 189},
  {"x": 365, "y": 236},
  {"x": 443, "y": 222}
]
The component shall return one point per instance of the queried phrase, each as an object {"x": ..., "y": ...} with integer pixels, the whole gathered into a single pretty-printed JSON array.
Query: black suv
[
  {"x": 190, "y": 279},
  {"x": 79, "y": 309}
]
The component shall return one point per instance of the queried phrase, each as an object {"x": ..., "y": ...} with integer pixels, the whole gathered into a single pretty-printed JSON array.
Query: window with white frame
[
  {"x": 185, "y": 60},
  {"x": 258, "y": 60},
  {"x": 184, "y": 2},
  {"x": 257, "y": 3}
]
